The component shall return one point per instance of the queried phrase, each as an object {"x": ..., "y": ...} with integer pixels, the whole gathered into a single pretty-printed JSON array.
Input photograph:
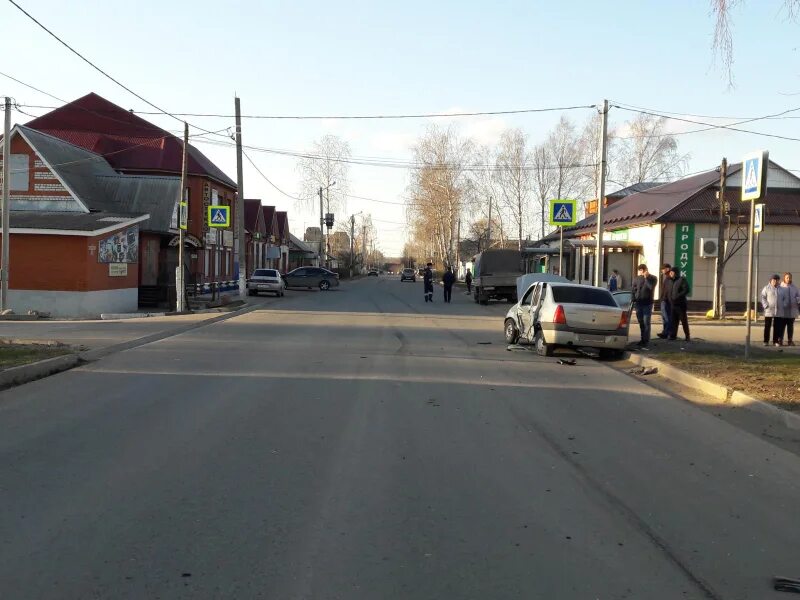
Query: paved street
[{"x": 361, "y": 444}]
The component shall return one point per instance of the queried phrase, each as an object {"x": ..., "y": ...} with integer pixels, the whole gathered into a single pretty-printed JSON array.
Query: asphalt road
[{"x": 361, "y": 444}]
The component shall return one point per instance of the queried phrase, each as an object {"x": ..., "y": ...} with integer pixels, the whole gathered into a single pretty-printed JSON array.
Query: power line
[
  {"x": 267, "y": 179},
  {"x": 709, "y": 125},
  {"x": 91, "y": 64},
  {"x": 368, "y": 117},
  {"x": 780, "y": 115}
]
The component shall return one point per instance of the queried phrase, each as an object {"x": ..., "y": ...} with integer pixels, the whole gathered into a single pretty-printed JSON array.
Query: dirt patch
[
  {"x": 769, "y": 375},
  {"x": 15, "y": 355}
]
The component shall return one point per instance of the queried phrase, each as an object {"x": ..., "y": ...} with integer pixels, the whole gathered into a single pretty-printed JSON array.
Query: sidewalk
[{"x": 92, "y": 335}]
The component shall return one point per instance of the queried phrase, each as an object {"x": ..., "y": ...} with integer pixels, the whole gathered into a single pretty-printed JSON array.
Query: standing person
[
  {"x": 769, "y": 302},
  {"x": 427, "y": 278},
  {"x": 468, "y": 281},
  {"x": 615, "y": 281},
  {"x": 792, "y": 310},
  {"x": 448, "y": 280},
  {"x": 643, "y": 289},
  {"x": 663, "y": 296},
  {"x": 679, "y": 291}
]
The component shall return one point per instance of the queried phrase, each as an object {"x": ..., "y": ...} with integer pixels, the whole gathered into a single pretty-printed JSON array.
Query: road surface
[{"x": 361, "y": 444}]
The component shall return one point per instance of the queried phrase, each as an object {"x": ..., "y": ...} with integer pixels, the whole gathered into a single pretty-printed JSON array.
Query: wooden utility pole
[
  {"x": 321, "y": 225},
  {"x": 489, "y": 231},
  {"x": 719, "y": 285},
  {"x": 352, "y": 233},
  {"x": 183, "y": 219},
  {"x": 241, "y": 244},
  {"x": 6, "y": 206},
  {"x": 598, "y": 263}
]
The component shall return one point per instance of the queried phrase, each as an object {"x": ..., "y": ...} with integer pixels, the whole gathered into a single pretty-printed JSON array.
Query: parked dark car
[
  {"x": 312, "y": 277},
  {"x": 372, "y": 273}
]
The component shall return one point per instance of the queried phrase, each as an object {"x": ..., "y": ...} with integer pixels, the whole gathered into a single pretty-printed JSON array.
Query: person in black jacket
[
  {"x": 643, "y": 289},
  {"x": 666, "y": 308},
  {"x": 427, "y": 278},
  {"x": 679, "y": 291},
  {"x": 468, "y": 280},
  {"x": 448, "y": 279}
]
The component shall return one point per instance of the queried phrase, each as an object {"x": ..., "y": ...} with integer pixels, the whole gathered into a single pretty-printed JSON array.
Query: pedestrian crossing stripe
[
  {"x": 563, "y": 212},
  {"x": 219, "y": 216}
]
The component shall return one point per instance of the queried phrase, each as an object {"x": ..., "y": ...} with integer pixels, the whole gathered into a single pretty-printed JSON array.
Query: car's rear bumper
[
  {"x": 615, "y": 341},
  {"x": 265, "y": 287}
]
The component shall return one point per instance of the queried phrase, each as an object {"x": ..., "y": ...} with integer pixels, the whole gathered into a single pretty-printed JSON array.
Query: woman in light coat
[
  {"x": 769, "y": 302},
  {"x": 790, "y": 308}
]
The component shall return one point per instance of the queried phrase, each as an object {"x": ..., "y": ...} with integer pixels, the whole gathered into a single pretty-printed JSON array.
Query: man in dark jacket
[
  {"x": 448, "y": 280},
  {"x": 643, "y": 289},
  {"x": 663, "y": 296},
  {"x": 679, "y": 291},
  {"x": 468, "y": 280},
  {"x": 427, "y": 278}
]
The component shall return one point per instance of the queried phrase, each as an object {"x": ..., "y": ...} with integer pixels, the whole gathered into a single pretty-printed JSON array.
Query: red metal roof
[
  {"x": 128, "y": 142},
  {"x": 283, "y": 224},
  {"x": 269, "y": 220},
  {"x": 251, "y": 210}
]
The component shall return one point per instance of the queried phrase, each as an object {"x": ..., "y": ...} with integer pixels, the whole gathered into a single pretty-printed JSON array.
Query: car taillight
[
  {"x": 560, "y": 317},
  {"x": 623, "y": 320}
]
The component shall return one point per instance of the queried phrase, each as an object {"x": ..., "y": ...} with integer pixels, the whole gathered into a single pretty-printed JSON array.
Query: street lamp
[{"x": 322, "y": 220}]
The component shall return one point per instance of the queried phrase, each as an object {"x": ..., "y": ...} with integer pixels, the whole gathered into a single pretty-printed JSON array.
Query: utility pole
[
  {"x": 458, "y": 248},
  {"x": 364, "y": 245},
  {"x": 6, "y": 206},
  {"x": 241, "y": 244},
  {"x": 489, "y": 232},
  {"x": 598, "y": 263},
  {"x": 183, "y": 219},
  {"x": 321, "y": 225},
  {"x": 719, "y": 285},
  {"x": 352, "y": 233}
]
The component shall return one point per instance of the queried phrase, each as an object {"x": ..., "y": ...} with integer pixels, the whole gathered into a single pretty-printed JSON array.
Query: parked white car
[
  {"x": 265, "y": 280},
  {"x": 554, "y": 314}
]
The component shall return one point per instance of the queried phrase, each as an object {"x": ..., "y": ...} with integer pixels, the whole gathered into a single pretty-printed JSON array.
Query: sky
[{"x": 370, "y": 58}]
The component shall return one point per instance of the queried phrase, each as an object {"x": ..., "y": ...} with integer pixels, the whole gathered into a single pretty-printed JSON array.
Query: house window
[
  {"x": 19, "y": 165},
  {"x": 586, "y": 264}
]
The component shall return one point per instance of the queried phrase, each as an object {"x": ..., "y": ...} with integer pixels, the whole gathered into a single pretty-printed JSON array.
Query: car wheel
[
  {"x": 324, "y": 285},
  {"x": 542, "y": 347},
  {"x": 511, "y": 331}
]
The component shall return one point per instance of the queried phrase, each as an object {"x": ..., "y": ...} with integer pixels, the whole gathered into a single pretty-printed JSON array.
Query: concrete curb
[
  {"x": 25, "y": 373},
  {"x": 92, "y": 355},
  {"x": 724, "y": 395}
]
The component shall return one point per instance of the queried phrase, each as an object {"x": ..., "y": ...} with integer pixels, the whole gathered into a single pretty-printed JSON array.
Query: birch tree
[
  {"x": 324, "y": 164},
  {"x": 543, "y": 178},
  {"x": 438, "y": 188},
  {"x": 648, "y": 153},
  {"x": 513, "y": 174}
]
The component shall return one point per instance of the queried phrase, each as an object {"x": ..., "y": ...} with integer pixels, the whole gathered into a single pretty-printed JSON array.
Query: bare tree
[
  {"x": 723, "y": 38},
  {"x": 592, "y": 156},
  {"x": 544, "y": 182},
  {"x": 438, "y": 189},
  {"x": 565, "y": 155},
  {"x": 514, "y": 164},
  {"x": 648, "y": 153},
  {"x": 323, "y": 165}
]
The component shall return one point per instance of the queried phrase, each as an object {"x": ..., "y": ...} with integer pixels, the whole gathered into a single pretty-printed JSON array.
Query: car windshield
[
  {"x": 574, "y": 294},
  {"x": 265, "y": 273}
]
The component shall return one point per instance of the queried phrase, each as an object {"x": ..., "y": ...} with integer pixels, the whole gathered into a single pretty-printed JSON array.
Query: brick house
[
  {"x": 131, "y": 145},
  {"x": 80, "y": 230}
]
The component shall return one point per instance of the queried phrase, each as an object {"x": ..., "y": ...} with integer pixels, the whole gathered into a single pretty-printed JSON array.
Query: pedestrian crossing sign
[
  {"x": 754, "y": 175},
  {"x": 563, "y": 212},
  {"x": 219, "y": 216}
]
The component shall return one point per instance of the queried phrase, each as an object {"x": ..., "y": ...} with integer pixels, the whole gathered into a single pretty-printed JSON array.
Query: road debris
[
  {"x": 484, "y": 343},
  {"x": 786, "y": 584},
  {"x": 567, "y": 361},
  {"x": 644, "y": 371}
]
